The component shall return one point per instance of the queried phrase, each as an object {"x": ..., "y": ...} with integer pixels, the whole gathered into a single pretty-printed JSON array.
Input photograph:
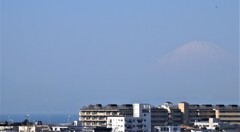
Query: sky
[{"x": 57, "y": 56}]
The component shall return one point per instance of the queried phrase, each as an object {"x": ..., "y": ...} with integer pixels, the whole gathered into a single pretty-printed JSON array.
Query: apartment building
[
  {"x": 166, "y": 114},
  {"x": 139, "y": 122},
  {"x": 198, "y": 112},
  {"x": 125, "y": 124},
  {"x": 193, "y": 113},
  {"x": 229, "y": 114},
  {"x": 159, "y": 116},
  {"x": 143, "y": 111},
  {"x": 96, "y": 115},
  {"x": 175, "y": 116}
]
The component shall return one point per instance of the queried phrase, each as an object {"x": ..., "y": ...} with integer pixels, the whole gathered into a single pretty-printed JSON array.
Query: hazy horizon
[{"x": 57, "y": 56}]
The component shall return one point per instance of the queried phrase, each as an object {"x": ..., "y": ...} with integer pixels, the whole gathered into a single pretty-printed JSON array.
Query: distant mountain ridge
[{"x": 195, "y": 51}]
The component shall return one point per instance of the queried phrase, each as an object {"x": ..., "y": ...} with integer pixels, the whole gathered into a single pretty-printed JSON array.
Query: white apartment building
[
  {"x": 127, "y": 124},
  {"x": 143, "y": 111},
  {"x": 139, "y": 122}
]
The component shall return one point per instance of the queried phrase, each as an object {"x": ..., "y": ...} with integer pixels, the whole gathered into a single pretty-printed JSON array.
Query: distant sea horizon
[{"x": 45, "y": 118}]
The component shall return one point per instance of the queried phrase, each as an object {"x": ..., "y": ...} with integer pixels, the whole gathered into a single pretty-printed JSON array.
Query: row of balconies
[
  {"x": 98, "y": 110},
  {"x": 94, "y": 124},
  {"x": 202, "y": 112},
  {"x": 159, "y": 117},
  {"x": 230, "y": 116},
  {"x": 134, "y": 126},
  {"x": 194, "y": 111},
  {"x": 130, "y": 122},
  {"x": 93, "y": 119},
  {"x": 98, "y": 114},
  {"x": 163, "y": 112},
  {"x": 175, "y": 119},
  {"x": 206, "y": 114},
  {"x": 229, "y": 119},
  {"x": 175, "y": 114},
  {"x": 159, "y": 121},
  {"x": 229, "y": 111}
]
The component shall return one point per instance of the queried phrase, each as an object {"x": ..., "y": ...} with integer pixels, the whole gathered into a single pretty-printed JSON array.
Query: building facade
[
  {"x": 175, "y": 116},
  {"x": 96, "y": 115},
  {"x": 192, "y": 113},
  {"x": 159, "y": 116},
  {"x": 140, "y": 121},
  {"x": 164, "y": 115},
  {"x": 229, "y": 114},
  {"x": 128, "y": 124}
]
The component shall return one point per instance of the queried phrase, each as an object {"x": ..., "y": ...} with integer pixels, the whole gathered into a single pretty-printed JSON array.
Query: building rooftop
[{"x": 107, "y": 107}]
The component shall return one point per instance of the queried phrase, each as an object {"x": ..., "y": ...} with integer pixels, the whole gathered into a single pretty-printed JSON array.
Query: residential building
[
  {"x": 143, "y": 111},
  {"x": 174, "y": 114},
  {"x": 159, "y": 116},
  {"x": 127, "y": 124},
  {"x": 96, "y": 115},
  {"x": 167, "y": 114},
  {"x": 229, "y": 114},
  {"x": 140, "y": 121},
  {"x": 193, "y": 113}
]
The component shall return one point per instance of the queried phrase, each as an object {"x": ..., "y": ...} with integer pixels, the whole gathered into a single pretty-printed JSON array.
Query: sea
[{"x": 44, "y": 118}]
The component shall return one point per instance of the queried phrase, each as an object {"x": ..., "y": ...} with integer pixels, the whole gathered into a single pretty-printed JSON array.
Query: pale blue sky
[{"x": 57, "y": 56}]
